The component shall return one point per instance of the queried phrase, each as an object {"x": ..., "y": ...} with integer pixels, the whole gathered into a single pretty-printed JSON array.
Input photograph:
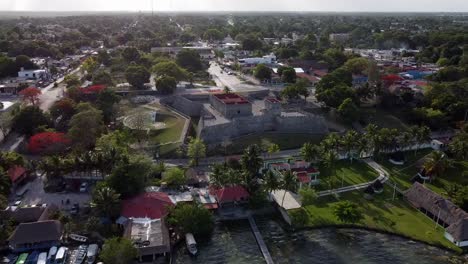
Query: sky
[{"x": 238, "y": 5}]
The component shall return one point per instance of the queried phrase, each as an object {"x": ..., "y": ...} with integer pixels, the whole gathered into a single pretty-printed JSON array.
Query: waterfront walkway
[{"x": 260, "y": 242}]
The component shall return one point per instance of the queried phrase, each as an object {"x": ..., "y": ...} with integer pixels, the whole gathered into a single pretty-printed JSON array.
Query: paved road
[{"x": 234, "y": 83}]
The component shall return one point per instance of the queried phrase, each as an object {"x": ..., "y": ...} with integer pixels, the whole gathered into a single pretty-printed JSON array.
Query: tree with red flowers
[
  {"x": 31, "y": 95},
  {"x": 48, "y": 143}
]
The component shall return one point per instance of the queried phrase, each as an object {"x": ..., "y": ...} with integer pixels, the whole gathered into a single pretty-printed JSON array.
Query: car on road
[
  {"x": 17, "y": 203},
  {"x": 84, "y": 187}
]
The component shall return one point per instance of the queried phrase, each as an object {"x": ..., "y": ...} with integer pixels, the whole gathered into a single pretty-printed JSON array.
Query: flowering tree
[
  {"x": 31, "y": 95},
  {"x": 48, "y": 143},
  {"x": 94, "y": 89}
]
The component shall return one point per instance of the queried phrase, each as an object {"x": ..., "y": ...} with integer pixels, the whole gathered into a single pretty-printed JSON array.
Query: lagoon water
[{"x": 233, "y": 242}]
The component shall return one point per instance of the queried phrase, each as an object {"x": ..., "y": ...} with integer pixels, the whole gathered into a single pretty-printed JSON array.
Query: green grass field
[
  {"x": 402, "y": 174},
  {"x": 347, "y": 173},
  {"x": 383, "y": 214}
]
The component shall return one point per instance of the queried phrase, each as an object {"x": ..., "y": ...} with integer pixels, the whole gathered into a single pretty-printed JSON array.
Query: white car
[
  {"x": 84, "y": 187},
  {"x": 17, "y": 203}
]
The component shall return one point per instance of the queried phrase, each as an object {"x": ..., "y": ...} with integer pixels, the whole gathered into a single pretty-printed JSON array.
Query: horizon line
[{"x": 226, "y": 11}]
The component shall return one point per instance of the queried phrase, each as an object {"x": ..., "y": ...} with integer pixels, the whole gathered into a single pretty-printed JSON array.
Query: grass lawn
[
  {"x": 402, "y": 174},
  {"x": 352, "y": 173},
  {"x": 381, "y": 213},
  {"x": 175, "y": 125},
  {"x": 285, "y": 141}
]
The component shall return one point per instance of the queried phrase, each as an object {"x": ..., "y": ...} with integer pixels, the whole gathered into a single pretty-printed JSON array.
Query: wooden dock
[{"x": 260, "y": 242}]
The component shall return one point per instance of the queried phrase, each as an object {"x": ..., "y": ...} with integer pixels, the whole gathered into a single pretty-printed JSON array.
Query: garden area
[{"x": 381, "y": 213}]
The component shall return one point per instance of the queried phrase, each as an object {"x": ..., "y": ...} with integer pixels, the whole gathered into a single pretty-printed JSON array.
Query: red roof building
[
  {"x": 17, "y": 174},
  {"x": 230, "y": 194},
  {"x": 231, "y": 98},
  {"x": 151, "y": 205}
]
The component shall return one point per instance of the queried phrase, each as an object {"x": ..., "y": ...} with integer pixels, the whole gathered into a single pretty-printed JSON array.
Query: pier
[{"x": 260, "y": 242}]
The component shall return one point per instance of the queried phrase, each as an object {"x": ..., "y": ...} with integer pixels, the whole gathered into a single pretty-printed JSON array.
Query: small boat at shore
[
  {"x": 78, "y": 238},
  {"x": 191, "y": 244},
  {"x": 80, "y": 254}
]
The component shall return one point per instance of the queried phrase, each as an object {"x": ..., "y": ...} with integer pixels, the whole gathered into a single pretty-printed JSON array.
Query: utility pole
[{"x": 394, "y": 191}]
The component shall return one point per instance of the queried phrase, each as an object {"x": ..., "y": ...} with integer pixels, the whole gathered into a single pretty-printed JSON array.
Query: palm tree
[
  {"x": 424, "y": 135},
  {"x": 437, "y": 163},
  {"x": 271, "y": 181},
  {"x": 405, "y": 140},
  {"x": 372, "y": 132},
  {"x": 289, "y": 183},
  {"x": 273, "y": 148},
  {"x": 332, "y": 141},
  {"x": 310, "y": 152},
  {"x": 106, "y": 201},
  {"x": 251, "y": 160},
  {"x": 349, "y": 142},
  {"x": 329, "y": 159}
]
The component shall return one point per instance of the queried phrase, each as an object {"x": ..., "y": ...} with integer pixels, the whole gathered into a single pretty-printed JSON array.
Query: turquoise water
[{"x": 234, "y": 242}]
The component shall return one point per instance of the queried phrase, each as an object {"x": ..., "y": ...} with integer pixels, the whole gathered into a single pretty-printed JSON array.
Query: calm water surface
[{"x": 234, "y": 242}]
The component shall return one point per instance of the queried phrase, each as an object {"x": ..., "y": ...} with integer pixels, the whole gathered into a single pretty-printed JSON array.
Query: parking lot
[{"x": 37, "y": 195}]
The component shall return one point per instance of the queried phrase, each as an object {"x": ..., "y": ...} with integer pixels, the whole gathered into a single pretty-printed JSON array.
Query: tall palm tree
[
  {"x": 424, "y": 135},
  {"x": 310, "y": 152},
  {"x": 405, "y": 140},
  {"x": 372, "y": 132},
  {"x": 271, "y": 181},
  {"x": 251, "y": 160},
  {"x": 106, "y": 201},
  {"x": 329, "y": 161},
  {"x": 437, "y": 163},
  {"x": 349, "y": 142},
  {"x": 289, "y": 183},
  {"x": 332, "y": 141}
]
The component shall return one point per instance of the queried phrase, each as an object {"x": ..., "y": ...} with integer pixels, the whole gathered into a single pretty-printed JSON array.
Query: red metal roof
[
  {"x": 304, "y": 170},
  {"x": 152, "y": 205},
  {"x": 230, "y": 194},
  {"x": 303, "y": 177},
  {"x": 15, "y": 173},
  {"x": 231, "y": 98}
]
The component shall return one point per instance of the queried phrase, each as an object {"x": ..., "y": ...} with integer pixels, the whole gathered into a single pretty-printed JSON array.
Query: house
[
  {"x": 230, "y": 195},
  {"x": 28, "y": 214},
  {"x": 34, "y": 74},
  {"x": 36, "y": 236},
  {"x": 152, "y": 205},
  {"x": 306, "y": 174},
  {"x": 150, "y": 237},
  {"x": 268, "y": 59},
  {"x": 204, "y": 197},
  {"x": 17, "y": 175},
  {"x": 442, "y": 211}
]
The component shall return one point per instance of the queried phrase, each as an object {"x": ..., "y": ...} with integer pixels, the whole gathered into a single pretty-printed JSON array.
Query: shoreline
[{"x": 381, "y": 231}]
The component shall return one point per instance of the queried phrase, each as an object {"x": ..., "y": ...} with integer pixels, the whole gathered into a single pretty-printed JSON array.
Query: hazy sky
[{"x": 237, "y": 5}]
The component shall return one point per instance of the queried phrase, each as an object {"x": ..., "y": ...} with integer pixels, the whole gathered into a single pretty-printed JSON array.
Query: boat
[
  {"x": 80, "y": 254},
  {"x": 42, "y": 259},
  {"x": 61, "y": 256},
  {"x": 51, "y": 254},
  {"x": 78, "y": 238},
  {"x": 32, "y": 258},
  {"x": 22, "y": 258},
  {"x": 92, "y": 253},
  {"x": 191, "y": 243}
]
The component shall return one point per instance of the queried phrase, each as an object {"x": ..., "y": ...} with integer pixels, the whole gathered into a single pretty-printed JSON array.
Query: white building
[
  {"x": 268, "y": 59},
  {"x": 34, "y": 74}
]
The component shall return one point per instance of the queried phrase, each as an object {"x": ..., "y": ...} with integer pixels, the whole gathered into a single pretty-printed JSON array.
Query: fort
[{"x": 229, "y": 116}]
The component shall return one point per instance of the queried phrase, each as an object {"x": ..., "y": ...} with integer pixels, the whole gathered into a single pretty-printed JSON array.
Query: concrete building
[
  {"x": 231, "y": 105},
  {"x": 34, "y": 74},
  {"x": 226, "y": 117},
  {"x": 268, "y": 59},
  {"x": 150, "y": 237}
]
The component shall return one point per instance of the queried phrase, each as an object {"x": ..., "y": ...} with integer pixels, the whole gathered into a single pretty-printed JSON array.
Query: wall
[{"x": 257, "y": 124}]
